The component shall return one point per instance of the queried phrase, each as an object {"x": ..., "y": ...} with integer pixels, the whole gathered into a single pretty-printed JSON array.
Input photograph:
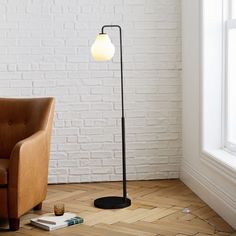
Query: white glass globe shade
[{"x": 102, "y": 49}]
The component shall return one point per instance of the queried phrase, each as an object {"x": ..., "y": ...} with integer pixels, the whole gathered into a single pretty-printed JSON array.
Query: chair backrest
[{"x": 20, "y": 118}]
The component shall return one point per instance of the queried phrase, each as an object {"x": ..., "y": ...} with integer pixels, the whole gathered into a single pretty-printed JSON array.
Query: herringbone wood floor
[{"x": 156, "y": 210}]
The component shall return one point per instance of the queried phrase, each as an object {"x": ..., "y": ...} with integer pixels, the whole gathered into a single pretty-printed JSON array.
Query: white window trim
[
  {"x": 225, "y": 13},
  {"x": 211, "y": 115},
  {"x": 230, "y": 24}
]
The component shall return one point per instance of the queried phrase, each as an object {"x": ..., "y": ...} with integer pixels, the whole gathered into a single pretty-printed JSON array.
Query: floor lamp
[{"x": 103, "y": 50}]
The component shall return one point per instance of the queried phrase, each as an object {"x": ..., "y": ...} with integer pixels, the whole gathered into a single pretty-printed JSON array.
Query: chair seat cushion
[{"x": 4, "y": 164}]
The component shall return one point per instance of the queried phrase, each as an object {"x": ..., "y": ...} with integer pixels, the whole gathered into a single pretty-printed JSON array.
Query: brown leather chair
[{"x": 25, "y": 133}]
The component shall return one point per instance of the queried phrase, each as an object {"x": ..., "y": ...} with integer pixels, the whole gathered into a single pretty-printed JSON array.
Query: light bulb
[{"x": 102, "y": 49}]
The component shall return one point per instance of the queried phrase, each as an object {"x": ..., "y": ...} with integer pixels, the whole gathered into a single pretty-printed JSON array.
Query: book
[
  {"x": 52, "y": 219},
  {"x": 59, "y": 224}
]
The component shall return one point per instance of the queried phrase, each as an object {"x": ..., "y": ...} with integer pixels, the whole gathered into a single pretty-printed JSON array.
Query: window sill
[{"x": 221, "y": 161}]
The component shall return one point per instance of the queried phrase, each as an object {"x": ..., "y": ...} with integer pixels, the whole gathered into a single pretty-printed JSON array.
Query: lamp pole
[{"x": 117, "y": 202}]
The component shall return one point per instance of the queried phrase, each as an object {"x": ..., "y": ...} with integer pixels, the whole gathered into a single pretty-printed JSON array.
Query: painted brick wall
[{"x": 45, "y": 51}]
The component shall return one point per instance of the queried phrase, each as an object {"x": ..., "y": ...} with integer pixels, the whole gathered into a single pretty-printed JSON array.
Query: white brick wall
[{"x": 45, "y": 51}]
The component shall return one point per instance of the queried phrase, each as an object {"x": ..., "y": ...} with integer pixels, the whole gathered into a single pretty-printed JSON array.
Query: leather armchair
[{"x": 25, "y": 133}]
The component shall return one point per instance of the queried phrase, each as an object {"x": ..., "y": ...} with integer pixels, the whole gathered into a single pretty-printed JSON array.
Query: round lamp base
[{"x": 112, "y": 202}]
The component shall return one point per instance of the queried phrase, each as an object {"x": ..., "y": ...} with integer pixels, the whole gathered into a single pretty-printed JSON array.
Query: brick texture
[{"x": 45, "y": 51}]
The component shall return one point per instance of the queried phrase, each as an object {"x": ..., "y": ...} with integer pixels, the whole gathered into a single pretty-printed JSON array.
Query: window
[
  {"x": 218, "y": 63},
  {"x": 230, "y": 78}
]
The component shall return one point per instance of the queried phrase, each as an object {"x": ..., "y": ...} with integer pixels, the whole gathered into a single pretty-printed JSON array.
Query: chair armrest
[{"x": 28, "y": 172}]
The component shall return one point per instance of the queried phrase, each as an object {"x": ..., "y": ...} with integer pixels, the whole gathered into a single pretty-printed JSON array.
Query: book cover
[{"x": 58, "y": 225}]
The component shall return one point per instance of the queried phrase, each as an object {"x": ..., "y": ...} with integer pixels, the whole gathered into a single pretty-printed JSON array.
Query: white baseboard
[{"x": 217, "y": 199}]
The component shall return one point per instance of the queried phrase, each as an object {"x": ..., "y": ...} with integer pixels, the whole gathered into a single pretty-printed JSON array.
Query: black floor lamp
[{"x": 104, "y": 50}]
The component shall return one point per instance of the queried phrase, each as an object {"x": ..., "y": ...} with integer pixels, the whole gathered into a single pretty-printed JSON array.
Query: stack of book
[{"x": 51, "y": 222}]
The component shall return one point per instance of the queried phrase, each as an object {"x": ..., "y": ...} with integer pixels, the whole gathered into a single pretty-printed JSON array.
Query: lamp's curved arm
[{"x": 110, "y": 26}]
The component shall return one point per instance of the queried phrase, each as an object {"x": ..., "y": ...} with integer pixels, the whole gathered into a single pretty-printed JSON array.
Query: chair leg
[
  {"x": 38, "y": 207},
  {"x": 14, "y": 224}
]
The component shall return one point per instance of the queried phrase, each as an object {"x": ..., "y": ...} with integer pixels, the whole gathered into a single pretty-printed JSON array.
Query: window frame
[
  {"x": 229, "y": 23},
  {"x": 211, "y": 115}
]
